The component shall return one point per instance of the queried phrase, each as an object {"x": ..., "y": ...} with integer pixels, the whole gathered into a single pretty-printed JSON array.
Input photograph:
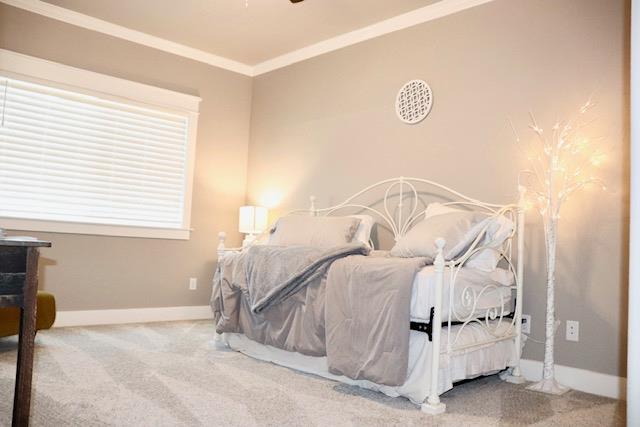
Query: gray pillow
[
  {"x": 317, "y": 231},
  {"x": 458, "y": 227}
]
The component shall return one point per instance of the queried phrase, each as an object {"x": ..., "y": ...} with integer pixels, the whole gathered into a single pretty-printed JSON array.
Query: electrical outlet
[
  {"x": 573, "y": 330},
  {"x": 526, "y": 324},
  {"x": 193, "y": 283}
]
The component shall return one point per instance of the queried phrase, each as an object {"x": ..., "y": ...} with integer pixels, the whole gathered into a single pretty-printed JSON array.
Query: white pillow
[
  {"x": 363, "y": 233},
  {"x": 317, "y": 231},
  {"x": 499, "y": 230},
  {"x": 458, "y": 227}
]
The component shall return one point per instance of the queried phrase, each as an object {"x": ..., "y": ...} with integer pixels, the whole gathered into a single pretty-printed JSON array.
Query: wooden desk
[{"x": 18, "y": 288}]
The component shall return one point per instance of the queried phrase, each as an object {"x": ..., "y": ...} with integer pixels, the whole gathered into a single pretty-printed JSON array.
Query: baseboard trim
[
  {"x": 579, "y": 379},
  {"x": 131, "y": 315}
]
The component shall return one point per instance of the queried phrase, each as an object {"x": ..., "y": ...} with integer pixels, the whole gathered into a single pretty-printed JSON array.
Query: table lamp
[{"x": 253, "y": 220}]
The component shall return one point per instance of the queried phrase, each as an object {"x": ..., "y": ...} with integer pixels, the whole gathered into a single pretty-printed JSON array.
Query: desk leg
[{"x": 22, "y": 396}]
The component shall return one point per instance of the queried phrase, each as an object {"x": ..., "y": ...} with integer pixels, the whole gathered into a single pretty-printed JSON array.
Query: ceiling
[{"x": 248, "y": 34}]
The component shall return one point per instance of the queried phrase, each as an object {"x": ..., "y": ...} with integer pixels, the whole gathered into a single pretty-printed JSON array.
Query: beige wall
[
  {"x": 92, "y": 272},
  {"x": 327, "y": 127}
]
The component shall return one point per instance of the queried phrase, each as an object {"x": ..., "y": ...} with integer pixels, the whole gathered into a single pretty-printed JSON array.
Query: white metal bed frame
[{"x": 495, "y": 322}]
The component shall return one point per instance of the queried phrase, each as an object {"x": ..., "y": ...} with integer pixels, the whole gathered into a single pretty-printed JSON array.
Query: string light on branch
[{"x": 561, "y": 161}]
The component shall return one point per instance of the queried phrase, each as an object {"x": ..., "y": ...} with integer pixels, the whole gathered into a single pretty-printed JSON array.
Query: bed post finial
[
  {"x": 312, "y": 205},
  {"x": 433, "y": 405},
  {"x": 222, "y": 236}
]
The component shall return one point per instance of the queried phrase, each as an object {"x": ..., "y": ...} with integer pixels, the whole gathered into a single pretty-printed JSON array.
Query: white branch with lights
[{"x": 561, "y": 163}]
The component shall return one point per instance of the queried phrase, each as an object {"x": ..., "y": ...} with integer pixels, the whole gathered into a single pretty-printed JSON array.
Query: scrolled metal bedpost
[
  {"x": 516, "y": 376},
  {"x": 433, "y": 405}
]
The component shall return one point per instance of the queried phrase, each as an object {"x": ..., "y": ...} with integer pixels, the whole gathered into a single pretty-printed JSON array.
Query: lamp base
[{"x": 248, "y": 240}]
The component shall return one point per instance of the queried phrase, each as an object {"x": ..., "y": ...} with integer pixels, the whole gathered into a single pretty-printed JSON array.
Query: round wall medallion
[{"x": 414, "y": 101}]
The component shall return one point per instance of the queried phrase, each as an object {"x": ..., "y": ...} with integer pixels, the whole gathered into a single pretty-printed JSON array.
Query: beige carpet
[{"x": 166, "y": 374}]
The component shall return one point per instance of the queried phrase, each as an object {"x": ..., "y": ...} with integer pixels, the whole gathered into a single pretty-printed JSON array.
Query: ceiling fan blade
[{"x": 296, "y": 1}]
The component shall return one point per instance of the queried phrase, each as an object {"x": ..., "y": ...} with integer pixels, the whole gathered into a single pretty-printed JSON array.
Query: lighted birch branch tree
[{"x": 560, "y": 164}]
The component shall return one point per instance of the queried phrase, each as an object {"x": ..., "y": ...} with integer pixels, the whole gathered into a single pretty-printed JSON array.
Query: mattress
[
  {"x": 423, "y": 292},
  {"x": 459, "y": 365}
]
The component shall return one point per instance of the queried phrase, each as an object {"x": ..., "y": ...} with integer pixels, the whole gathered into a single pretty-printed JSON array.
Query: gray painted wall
[
  {"x": 97, "y": 272},
  {"x": 327, "y": 127}
]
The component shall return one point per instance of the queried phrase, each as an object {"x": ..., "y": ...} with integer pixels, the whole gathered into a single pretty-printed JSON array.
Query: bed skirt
[{"x": 454, "y": 367}]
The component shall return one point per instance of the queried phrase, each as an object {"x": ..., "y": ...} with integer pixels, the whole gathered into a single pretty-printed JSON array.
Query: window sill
[{"x": 94, "y": 229}]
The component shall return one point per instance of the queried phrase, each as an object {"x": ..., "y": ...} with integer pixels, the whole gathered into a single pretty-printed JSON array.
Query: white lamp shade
[{"x": 253, "y": 219}]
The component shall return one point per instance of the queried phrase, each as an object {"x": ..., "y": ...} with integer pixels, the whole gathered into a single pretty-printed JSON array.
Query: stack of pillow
[{"x": 460, "y": 229}]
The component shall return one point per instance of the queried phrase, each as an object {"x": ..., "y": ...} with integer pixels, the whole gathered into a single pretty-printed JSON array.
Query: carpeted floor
[{"x": 166, "y": 374}]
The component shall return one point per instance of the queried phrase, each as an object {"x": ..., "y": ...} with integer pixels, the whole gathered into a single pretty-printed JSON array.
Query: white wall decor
[{"x": 413, "y": 102}]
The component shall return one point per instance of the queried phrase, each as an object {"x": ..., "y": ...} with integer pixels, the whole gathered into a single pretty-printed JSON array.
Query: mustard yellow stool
[{"x": 10, "y": 317}]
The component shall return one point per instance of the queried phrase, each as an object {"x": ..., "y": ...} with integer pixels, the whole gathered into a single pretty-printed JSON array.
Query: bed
[{"x": 463, "y": 306}]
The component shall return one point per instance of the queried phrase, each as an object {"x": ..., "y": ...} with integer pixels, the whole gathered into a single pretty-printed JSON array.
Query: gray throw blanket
[
  {"x": 367, "y": 317},
  {"x": 274, "y": 273},
  {"x": 296, "y": 321}
]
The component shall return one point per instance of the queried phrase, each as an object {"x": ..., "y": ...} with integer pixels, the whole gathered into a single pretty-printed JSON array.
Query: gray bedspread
[
  {"x": 368, "y": 315},
  {"x": 276, "y": 295},
  {"x": 274, "y": 273},
  {"x": 333, "y": 302}
]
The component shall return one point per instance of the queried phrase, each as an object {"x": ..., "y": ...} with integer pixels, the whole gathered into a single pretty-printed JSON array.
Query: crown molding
[
  {"x": 406, "y": 20},
  {"x": 95, "y": 24},
  {"x": 400, "y": 22}
]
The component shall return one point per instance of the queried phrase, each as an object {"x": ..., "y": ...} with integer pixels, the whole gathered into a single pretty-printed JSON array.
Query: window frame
[{"x": 27, "y": 68}]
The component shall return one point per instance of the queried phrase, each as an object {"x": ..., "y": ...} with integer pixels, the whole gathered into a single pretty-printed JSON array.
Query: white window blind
[{"x": 71, "y": 157}]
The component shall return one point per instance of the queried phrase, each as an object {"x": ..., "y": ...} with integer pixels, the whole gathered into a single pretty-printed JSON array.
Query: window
[{"x": 75, "y": 160}]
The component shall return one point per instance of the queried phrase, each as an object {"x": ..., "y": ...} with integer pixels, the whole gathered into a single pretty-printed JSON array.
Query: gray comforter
[
  {"x": 274, "y": 273},
  {"x": 367, "y": 317},
  {"x": 275, "y": 295},
  {"x": 283, "y": 297}
]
